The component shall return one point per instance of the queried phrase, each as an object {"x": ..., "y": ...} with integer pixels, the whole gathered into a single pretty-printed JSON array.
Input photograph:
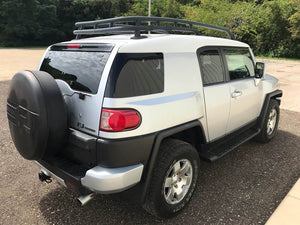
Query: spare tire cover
[{"x": 36, "y": 113}]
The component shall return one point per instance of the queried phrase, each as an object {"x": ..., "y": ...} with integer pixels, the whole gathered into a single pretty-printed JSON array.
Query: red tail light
[
  {"x": 73, "y": 46},
  {"x": 119, "y": 120}
]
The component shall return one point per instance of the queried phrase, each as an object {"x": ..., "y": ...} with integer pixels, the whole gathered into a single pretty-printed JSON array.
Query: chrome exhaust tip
[{"x": 84, "y": 199}]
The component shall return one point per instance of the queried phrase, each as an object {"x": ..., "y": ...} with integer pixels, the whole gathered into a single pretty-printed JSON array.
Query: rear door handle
[{"x": 236, "y": 93}]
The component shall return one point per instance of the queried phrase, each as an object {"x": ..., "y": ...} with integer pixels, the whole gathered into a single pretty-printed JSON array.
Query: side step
[{"x": 215, "y": 150}]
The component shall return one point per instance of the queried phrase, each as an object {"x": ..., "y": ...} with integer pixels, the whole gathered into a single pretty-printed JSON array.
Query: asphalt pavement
[{"x": 243, "y": 187}]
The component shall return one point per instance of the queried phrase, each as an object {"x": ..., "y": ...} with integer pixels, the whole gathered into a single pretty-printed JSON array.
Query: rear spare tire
[{"x": 36, "y": 113}]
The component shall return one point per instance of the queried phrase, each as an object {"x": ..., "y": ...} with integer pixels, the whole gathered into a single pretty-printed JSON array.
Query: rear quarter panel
[{"x": 182, "y": 100}]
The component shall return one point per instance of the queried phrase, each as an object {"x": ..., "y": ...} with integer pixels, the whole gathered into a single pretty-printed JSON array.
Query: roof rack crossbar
[
  {"x": 138, "y": 24},
  {"x": 133, "y": 28}
]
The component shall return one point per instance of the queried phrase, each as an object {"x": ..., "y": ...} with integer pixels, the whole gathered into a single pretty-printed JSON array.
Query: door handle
[{"x": 236, "y": 93}]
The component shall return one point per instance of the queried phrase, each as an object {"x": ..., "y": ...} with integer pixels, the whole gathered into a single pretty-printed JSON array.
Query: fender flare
[
  {"x": 158, "y": 139},
  {"x": 261, "y": 119}
]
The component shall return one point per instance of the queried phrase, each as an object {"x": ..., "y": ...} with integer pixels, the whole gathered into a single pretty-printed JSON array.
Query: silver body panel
[{"x": 217, "y": 106}]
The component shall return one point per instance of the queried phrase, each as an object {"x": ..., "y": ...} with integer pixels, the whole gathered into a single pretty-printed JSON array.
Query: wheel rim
[
  {"x": 178, "y": 181},
  {"x": 272, "y": 122}
]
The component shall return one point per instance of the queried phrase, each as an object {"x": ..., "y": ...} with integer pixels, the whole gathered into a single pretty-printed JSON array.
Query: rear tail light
[
  {"x": 73, "y": 46},
  {"x": 119, "y": 120}
]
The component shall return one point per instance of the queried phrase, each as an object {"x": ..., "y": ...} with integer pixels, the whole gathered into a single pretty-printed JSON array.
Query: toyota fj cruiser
[{"x": 132, "y": 106}]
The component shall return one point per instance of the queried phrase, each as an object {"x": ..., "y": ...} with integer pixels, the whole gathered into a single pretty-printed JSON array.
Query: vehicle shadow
[{"x": 244, "y": 187}]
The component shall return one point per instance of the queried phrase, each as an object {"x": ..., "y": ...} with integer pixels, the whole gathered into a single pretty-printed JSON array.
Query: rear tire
[
  {"x": 270, "y": 125},
  {"x": 174, "y": 179}
]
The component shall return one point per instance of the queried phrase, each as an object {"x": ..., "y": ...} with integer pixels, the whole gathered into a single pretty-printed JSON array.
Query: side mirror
[{"x": 259, "y": 69}]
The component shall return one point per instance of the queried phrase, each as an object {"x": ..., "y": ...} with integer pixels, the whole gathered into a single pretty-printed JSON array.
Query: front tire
[
  {"x": 270, "y": 125},
  {"x": 174, "y": 179}
]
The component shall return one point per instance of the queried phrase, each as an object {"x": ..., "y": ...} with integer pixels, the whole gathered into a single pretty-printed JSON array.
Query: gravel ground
[{"x": 244, "y": 187}]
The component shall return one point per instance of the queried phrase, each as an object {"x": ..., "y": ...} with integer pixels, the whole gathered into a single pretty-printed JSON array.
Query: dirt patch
[
  {"x": 14, "y": 60},
  {"x": 288, "y": 73}
]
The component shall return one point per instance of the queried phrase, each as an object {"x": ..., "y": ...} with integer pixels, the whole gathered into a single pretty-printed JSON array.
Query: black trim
[
  {"x": 81, "y": 147},
  {"x": 124, "y": 152},
  {"x": 70, "y": 172},
  {"x": 91, "y": 151},
  {"x": 221, "y": 146},
  {"x": 263, "y": 112}
]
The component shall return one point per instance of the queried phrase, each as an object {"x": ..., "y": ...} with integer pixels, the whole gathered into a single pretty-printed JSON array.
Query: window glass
[
  {"x": 81, "y": 70},
  {"x": 135, "y": 74},
  {"x": 211, "y": 67},
  {"x": 239, "y": 63}
]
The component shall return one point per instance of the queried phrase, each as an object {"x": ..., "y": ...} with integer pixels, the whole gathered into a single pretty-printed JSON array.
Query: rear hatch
[{"x": 78, "y": 69}]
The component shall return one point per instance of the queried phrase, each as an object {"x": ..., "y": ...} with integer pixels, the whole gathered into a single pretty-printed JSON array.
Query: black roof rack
[{"x": 138, "y": 24}]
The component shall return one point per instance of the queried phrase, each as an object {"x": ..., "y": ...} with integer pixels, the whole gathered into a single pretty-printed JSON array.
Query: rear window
[
  {"x": 136, "y": 74},
  {"x": 81, "y": 70}
]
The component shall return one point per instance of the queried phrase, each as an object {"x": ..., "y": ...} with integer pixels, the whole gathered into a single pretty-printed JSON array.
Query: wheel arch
[
  {"x": 194, "y": 127},
  {"x": 272, "y": 95}
]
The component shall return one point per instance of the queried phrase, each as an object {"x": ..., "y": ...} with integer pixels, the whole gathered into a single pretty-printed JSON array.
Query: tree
[{"x": 18, "y": 21}]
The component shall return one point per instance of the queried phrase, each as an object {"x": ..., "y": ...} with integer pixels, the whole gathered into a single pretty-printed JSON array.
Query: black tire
[
  {"x": 170, "y": 152},
  {"x": 264, "y": 136},
  {"x": 37, "y": 114}
]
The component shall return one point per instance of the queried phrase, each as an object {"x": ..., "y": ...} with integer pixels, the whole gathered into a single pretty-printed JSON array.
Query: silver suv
[{"x": 133, "y": 103}]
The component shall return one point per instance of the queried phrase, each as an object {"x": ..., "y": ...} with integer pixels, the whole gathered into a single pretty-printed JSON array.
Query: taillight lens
[
  {"x": 73, "y": 46},
  {"x": 119, "y": 120}
]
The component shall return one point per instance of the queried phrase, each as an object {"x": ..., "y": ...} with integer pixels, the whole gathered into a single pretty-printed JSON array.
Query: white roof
[{"x": 161, "y": 42}]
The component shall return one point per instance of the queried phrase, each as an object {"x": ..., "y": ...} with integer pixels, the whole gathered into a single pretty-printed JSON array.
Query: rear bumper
[
  {"x": 97, "y": 179},
  {"x": 92, "y": 164},
  {"x": 111, "y": 180}
]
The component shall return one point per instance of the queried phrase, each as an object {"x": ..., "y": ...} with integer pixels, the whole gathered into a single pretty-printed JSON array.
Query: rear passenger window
[
  {"x": 239, "y": 63},
  {"x": 211, "y": 67},
  {"x": 136, "y": 74}
]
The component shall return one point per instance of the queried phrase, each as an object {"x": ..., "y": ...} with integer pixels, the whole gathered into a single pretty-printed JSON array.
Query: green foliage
[{"x": 270, "y": 27}]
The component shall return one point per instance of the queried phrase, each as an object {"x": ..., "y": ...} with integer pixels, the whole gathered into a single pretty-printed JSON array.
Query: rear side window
[
  {"x": 136, "y": 74},
  {"x": 211, "y": 67},
  {"x": 239, "y": 63},
  {"x": 81, "y": 70}
]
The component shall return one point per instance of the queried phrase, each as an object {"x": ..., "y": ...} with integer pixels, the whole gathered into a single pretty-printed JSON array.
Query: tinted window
[
  {"x": 135, "y": 74},
  {"x": 81, "y": 70},
  {"x": 239, "y": 63},
  {"x": 211, "y": 67}
]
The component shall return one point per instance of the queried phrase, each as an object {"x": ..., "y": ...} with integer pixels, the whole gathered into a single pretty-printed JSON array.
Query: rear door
[
  {"x": 245, "y": 95},
  {"x": 216, "y": 91},
  {"x": 78, "y": 69}
]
